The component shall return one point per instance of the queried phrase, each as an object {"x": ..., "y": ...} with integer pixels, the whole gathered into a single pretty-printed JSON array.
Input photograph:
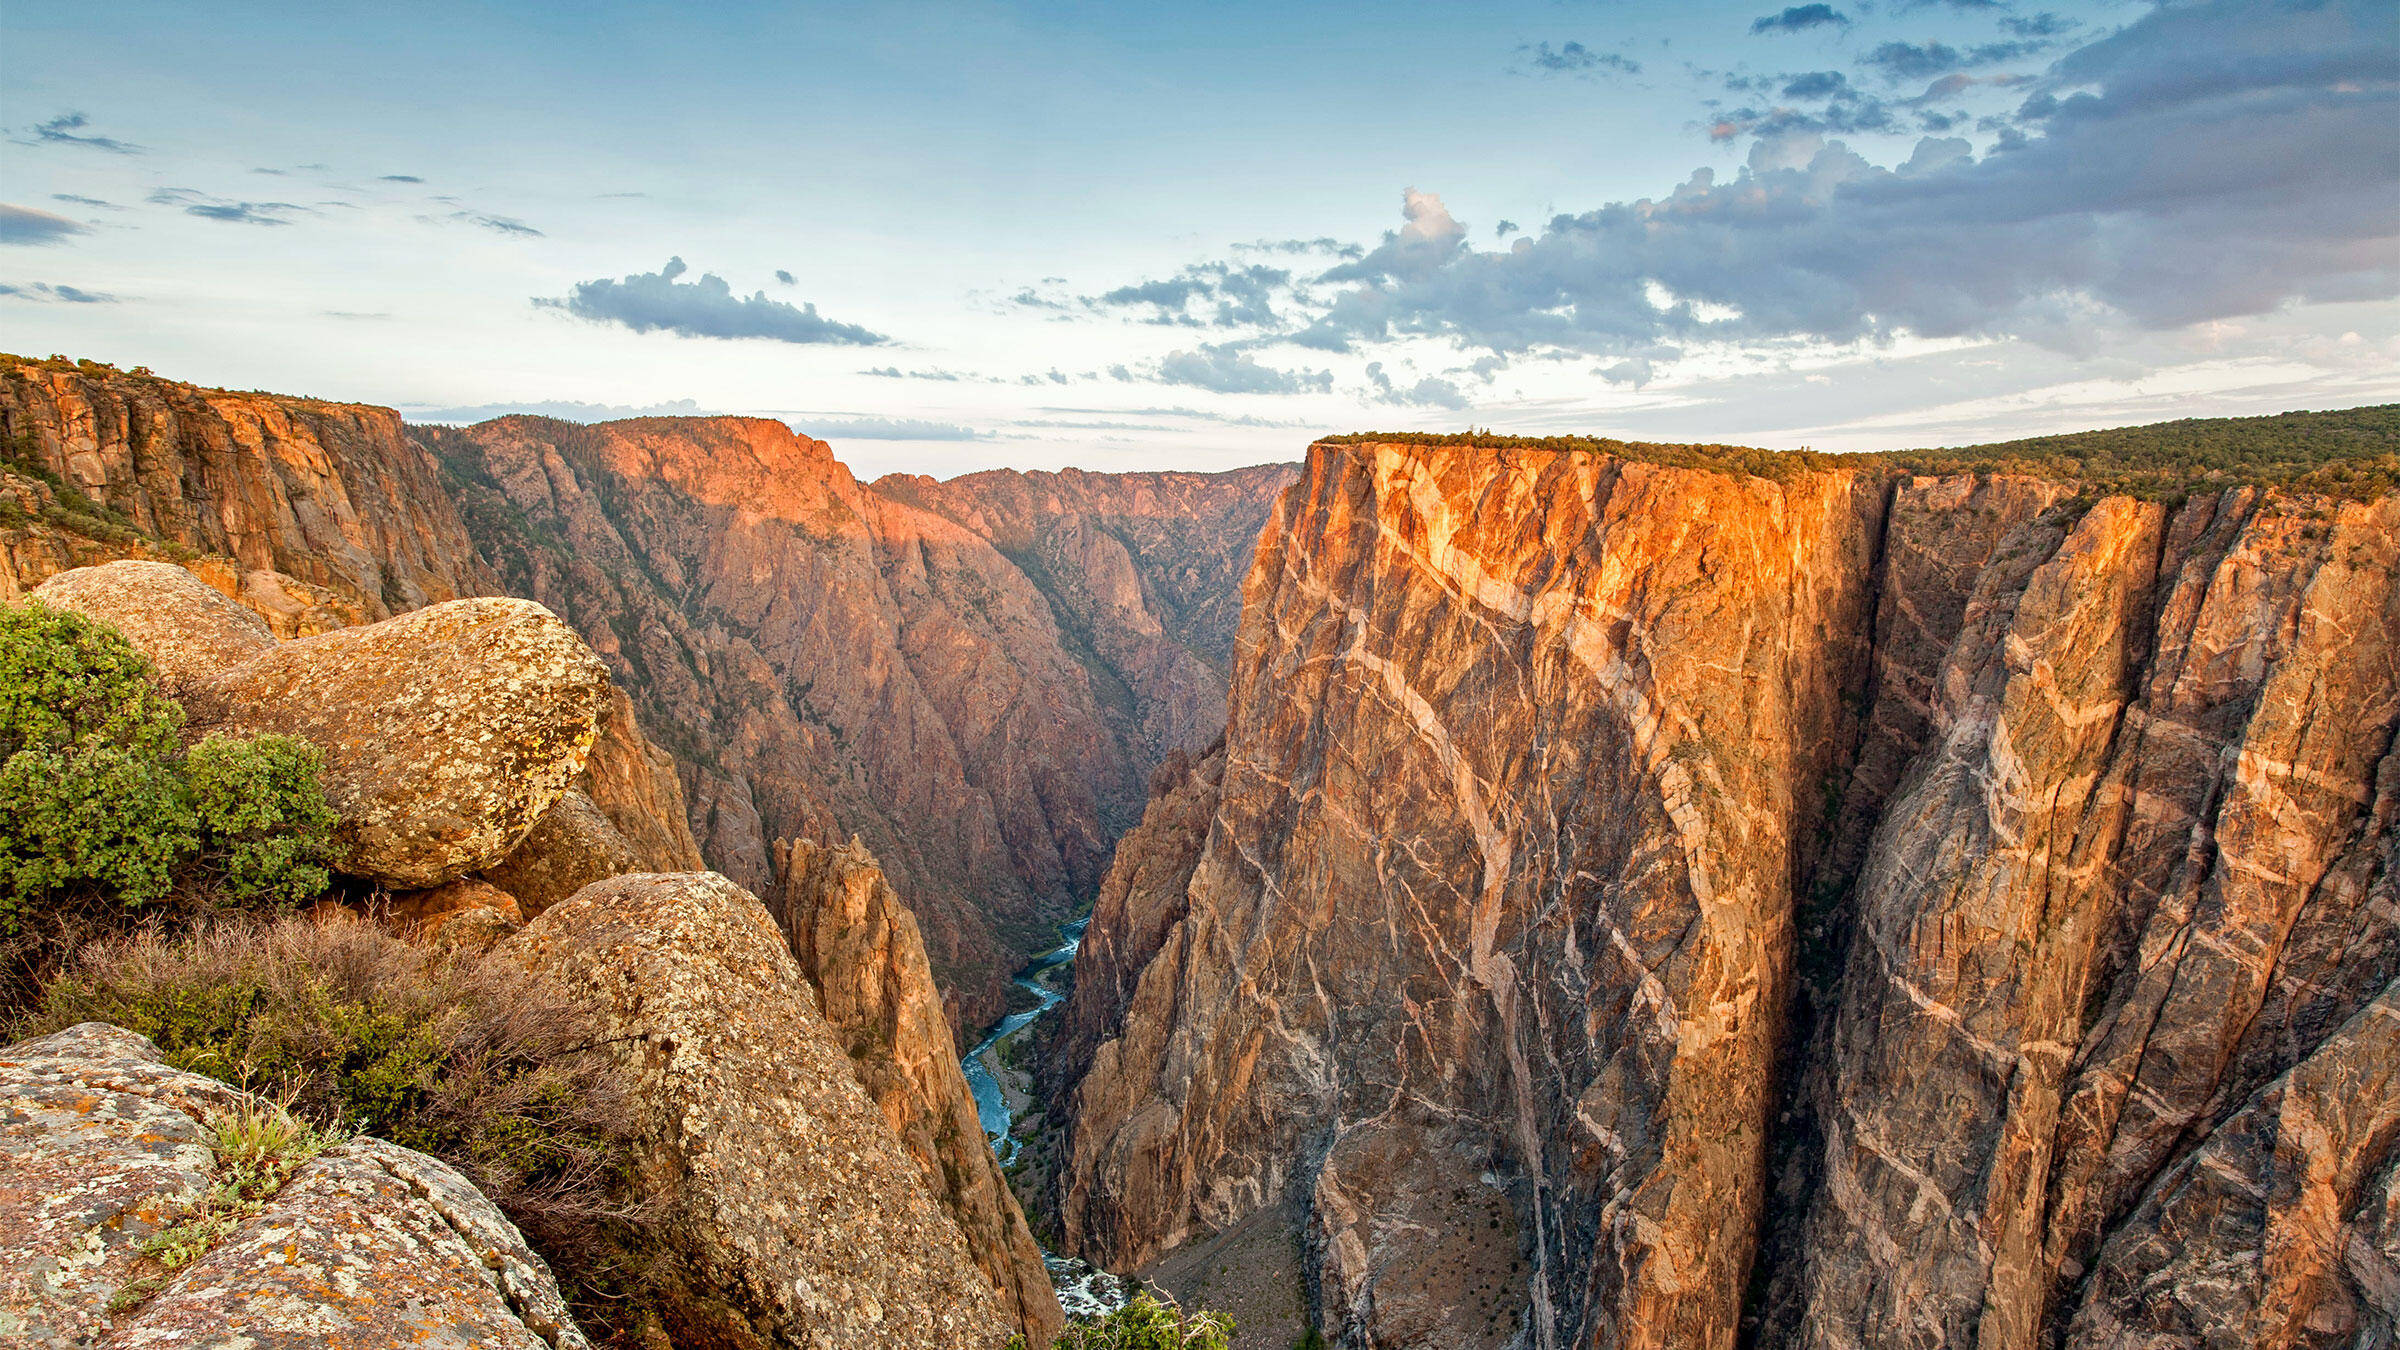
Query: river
[{"x": 1084, "y": 1290}]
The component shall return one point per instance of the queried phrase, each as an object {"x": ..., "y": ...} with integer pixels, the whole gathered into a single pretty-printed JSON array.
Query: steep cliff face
[
  {"x": 2024, "y": 870},
  {"x": 858, "y": 946}
]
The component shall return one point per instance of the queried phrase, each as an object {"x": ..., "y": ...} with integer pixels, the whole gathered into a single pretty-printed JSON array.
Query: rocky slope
[
  {"x": 975, "y": 677},
  {"x": 1924, "y": 910},
  {"x": 858, "y": 947}
]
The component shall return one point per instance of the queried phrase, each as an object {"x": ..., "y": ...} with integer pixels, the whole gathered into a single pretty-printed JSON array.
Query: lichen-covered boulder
[
  {"x": 447, "y": 731},
  {"x": 187, "y": 628},
  {"x": 368, "y": 1245},
  {"x": 572, "y": 846},
  {"x": 795, "y": 1218}
]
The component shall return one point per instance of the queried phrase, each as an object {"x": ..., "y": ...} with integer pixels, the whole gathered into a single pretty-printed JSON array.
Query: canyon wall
[
  {"x": 1650, "y": 906},
  {"x": 974, "y": 677}
]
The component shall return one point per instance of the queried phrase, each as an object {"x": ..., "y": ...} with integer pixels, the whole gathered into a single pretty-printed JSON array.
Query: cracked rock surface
[{"x": 368, "y": 1245}]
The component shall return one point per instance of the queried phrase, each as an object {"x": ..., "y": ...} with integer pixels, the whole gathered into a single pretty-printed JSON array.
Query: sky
[{"x": 948, "y": 236}]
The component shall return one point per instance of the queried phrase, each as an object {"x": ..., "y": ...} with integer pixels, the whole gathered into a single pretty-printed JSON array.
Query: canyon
[
  {"x": 1638, "y": 903},
  {"x": 974, "y": 678}
]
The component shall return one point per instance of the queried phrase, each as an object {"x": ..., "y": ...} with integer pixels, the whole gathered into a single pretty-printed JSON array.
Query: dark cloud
[
  {"x": 73, "y": 295},
  {"x": 1800, "y": 18},
  {"x": 649, "y": 302},
  {"x": 25, "y": 225},
  {"x": 1817, "y": 85},
  {"x": 66, "y": 129},
  {"x": 2208, "y": 160},
  {"x": 1573, "y": 58},
  {"x": 785, "y": 277},
  {"x": 217, "y": 208},
  {"x": 1504, "y": 229},
  {"x": 2042, "y": 25},
  {"x": 75, "y": 200},
  {"x": 508, "y": 225},
  {"x": 400, "y": 178},
  {"x": 1226, "y": 295},
  {"x": 1224, "y": 368}
]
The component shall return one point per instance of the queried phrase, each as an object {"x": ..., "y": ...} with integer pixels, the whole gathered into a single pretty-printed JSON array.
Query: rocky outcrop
[
  {"x": 2016, "y": 861},
  {"x": 858, "y": 947},
  {"x": 794, "y": 1216},
  {"x": 447, "y": 732},
  {"x": 368, "y": 1245},
  {"x": 572, "y": 846}
]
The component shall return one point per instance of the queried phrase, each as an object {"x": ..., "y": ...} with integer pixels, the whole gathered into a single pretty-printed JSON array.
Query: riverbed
[{"x": 995, "y": 1104}]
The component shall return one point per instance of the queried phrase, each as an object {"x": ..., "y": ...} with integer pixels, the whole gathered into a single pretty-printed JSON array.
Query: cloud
[
  {"x": 896, "y": 373},
  {"x": 509, "y": 225},
  {"x": 75, "y": 200},
  {"x": 1321, "y": 244},
  {"x": 25, "y": 225},
  {"x": 2042, "y": 25},
  {"x": 655, "y": 301},
  {"x": 1900, "y": 61},
  {"x": 2208, "y": 160},
  {"x": 785, "y": 277},
  {"x": 1574, "y": 58},
  {"x": 400, "y": 178},
  {"x": 64, "y": 128},
  {"x": 73, "y": 295},
  {"x": 217, "y": 208},
  {"x": 884, "y": 429},
  {"x": 1817, "y": 85},
  {"x": 1429, "y": 392},
  {"x": 1224, "y": 368},
  {"x": 1800, "y": 18},
  {"x": 1229, "y": 295}
]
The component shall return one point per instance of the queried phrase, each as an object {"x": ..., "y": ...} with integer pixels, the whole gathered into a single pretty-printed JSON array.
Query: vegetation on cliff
[
  {"x": 2353, "y": 453},
  {"x": 98, "y": 797}
]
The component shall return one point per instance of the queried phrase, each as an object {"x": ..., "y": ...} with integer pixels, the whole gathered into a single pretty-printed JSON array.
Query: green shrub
[
  {"x": 1145, "y": 1323},
  {"x": 98, "y": 797},
  {"x": 265, "y": 830}
]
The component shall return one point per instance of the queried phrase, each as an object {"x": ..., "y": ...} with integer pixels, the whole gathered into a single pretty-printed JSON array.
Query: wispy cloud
[
  {"x": 72, "y": 295},
  {"x": 67, "y": 129},
  {"x": 207, "y": 207},
  {"x": 650, "y": 302},
  {"x": 508, "y": 225},
  {"x": 1224, "y": 368},
  {"x": 25, "y": 225},
  {"x": 883, "y": 429},
  {"x": 1573, "y": 58}
]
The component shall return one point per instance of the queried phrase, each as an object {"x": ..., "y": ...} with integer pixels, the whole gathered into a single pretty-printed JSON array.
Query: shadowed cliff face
[
  {"x": 832, "y": 659},
  {"x": 1626, "y": 891}
]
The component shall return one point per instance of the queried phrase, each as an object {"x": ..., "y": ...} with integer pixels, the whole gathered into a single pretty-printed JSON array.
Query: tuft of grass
[{"x": 258, "y": 1144}]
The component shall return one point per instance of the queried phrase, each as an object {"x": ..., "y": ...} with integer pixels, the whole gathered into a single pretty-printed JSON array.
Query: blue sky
[{"x": 948, "y": 236}]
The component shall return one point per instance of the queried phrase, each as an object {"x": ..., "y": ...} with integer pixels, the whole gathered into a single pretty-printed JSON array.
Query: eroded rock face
[
  {"x": 368, "y": 1246},
  {"x": 572, "y": 846},
  {"x": 797, "y": 1219},
  {"x": 1582, "y": 824},
  {"x": 857, "y": 944}
]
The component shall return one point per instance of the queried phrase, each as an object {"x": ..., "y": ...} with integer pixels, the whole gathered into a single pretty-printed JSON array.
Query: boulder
[
  {"x": 368, "y": 1245},
  {"x": 572, "y": 846},
  {"x": 447, "y": 731},
  {"x": 794, "y": 1217},
  {"x": 187, "y": 628},
  {"x": 430, "y": 915}
]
